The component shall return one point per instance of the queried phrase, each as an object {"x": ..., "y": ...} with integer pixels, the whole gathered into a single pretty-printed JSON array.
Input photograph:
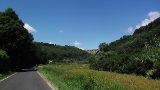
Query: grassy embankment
[
  {"x": 80, "y": 77},
  {"x": 4, "y": 75}
]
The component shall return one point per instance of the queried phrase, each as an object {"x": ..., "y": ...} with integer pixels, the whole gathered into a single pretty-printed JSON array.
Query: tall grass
[{"x": 79, "y": 77}]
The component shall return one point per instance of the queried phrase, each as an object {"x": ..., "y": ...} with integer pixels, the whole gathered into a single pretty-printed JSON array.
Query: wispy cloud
[
  {"x": 76, "y": 43},
  {"x": 29, "y": 28},
  {"x": 130, "y": 29},
  {"x": 82, "y": 48},
  {"x": 151, "y": 17}
]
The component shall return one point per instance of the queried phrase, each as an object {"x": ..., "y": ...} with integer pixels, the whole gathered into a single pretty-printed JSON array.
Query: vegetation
[
  {"x": 4, "y": 75},
  {"x": 17, "y": 49},
  {"x": 15, "y": 40},
  {"x": 4, "y": 61},
  {"x": 133, "y": 54},
  {"x": 80, "y": 77},
  {"x": 53, "y": 53}
]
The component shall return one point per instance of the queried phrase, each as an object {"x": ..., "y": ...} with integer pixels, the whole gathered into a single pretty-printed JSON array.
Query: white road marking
[
  {"x": 46, "y": 81},
  {"x": 8, "y": 77}
]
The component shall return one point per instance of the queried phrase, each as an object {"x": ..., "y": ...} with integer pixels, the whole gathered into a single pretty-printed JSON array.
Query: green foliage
[
  {"x": 16, "y": 40},
  {"x": 134, "y": 54},
  {"x": 104, "y": 47},
  {"x": 4, "y": 75},
  {"x": 4, "y": 61},
  {"x": 3, "y": 55},
  {"x": 55, "y": 53}
]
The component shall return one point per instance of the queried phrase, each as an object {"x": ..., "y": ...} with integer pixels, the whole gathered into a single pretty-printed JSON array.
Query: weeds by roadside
[{"x": 4, "y": 75}]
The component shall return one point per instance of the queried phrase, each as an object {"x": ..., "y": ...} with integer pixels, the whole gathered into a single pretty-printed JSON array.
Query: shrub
[{"x": 4, "y": 61}]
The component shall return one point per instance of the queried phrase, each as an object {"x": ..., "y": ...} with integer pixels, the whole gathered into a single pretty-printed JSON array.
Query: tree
[
  {"x": 15, "y": 39},
  {"x": 104, "y": 47}
]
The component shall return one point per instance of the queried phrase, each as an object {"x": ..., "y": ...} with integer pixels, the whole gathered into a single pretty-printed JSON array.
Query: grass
[
  {"x": 4, "y": 75},
  {"x": 80, "y": 77}
]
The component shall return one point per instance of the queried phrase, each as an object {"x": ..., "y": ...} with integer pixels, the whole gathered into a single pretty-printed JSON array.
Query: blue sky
[{"x": 83, "y": 23}]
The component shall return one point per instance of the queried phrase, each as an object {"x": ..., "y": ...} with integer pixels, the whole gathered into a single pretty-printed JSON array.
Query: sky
[{"x": 83, "y": 23}]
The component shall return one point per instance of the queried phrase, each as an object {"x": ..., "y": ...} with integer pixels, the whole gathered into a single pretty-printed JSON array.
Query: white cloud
[
  {"x": 82, "y": 48},
  {"x": 50, "y": 43},
  {"x": 61, "y": 31},
  {"x": 151, "y": 17},
  {"x": 29, "y": 28},
  {"x": 130, "y": 29},
  {"x": 76, "y": 43}
]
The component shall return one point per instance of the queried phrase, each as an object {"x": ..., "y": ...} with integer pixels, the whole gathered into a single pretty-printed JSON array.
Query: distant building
[{"x": 93, "y": 51}]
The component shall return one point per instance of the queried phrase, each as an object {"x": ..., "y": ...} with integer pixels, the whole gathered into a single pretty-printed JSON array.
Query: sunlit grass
[
  {"x": 135, "y": 81},
  {"x": 80, "y": 77}
]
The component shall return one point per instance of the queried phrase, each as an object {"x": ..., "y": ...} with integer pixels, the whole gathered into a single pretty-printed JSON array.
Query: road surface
[{"x": 29, "y": 80}]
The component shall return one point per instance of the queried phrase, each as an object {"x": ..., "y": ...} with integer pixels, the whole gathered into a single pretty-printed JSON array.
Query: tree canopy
[{"x": 15, "y": 39}]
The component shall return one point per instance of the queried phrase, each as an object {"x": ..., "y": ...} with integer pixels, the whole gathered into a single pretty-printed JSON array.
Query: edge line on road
[
  {"x": 49, "y": 84},
  {"x": 7, "y": 77}
]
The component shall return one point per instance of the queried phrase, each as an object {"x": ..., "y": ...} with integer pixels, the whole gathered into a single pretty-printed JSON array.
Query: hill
[
  {"x": 132, "y": 54},
  {"x": 55, "y": 53}
]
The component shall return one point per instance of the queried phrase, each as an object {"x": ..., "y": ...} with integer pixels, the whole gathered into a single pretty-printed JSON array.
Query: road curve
[{"x": 29, "y": 80}]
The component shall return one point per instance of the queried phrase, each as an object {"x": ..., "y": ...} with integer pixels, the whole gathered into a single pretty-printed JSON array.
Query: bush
[
  {"x": 126, "y": 64},
  {"x": 4, "y": 61},
  {"x": 3, "y": 55}
]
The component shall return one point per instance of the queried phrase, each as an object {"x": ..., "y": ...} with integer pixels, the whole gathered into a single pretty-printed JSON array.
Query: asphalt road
[{"x": 29, "y": 80}]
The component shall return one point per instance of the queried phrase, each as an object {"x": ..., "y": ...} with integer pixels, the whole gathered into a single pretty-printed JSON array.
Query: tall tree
[{"x": 15, "y": 39}]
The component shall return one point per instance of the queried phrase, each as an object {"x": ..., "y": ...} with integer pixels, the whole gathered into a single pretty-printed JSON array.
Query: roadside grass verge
[
  {"x": 4, "y": 75},
  {"x": 80, "y": 77}
]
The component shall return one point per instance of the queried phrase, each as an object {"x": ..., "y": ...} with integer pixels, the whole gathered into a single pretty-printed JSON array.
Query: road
[{"x": 29, "y": 80}]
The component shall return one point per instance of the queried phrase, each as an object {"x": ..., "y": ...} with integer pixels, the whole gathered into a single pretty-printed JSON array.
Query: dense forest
[
  {"x": 17, "y": 49},
  {"x": 52, "y": 53},
  {"x": 132, "y": 54}
]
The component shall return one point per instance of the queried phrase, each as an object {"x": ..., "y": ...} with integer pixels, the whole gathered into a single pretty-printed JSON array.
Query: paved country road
[{"x": 29, "y": 80}]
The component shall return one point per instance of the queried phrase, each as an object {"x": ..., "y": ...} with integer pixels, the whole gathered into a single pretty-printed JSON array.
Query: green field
[{"x": 80, "y": 77}]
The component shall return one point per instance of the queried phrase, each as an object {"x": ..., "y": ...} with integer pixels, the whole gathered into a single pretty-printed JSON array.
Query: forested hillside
[
  {"x": 56, "y": 53},
  {"x": 132, "y": 54},
  {"x": 17, "y": 49}
]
